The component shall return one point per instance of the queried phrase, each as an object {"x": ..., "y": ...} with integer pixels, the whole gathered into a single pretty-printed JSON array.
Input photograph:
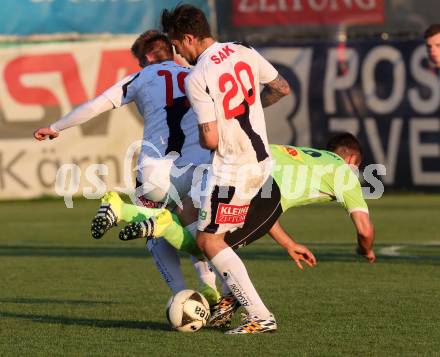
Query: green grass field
[{"x": 63, "y": 293}]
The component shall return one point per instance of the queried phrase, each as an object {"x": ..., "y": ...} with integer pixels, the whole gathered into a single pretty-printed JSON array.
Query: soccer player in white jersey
[
  {"x": 224, "y": 91},
  {"x": 170, "y": 126}
]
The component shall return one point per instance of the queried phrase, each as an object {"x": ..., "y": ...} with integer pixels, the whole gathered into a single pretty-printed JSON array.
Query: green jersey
[{"x": 305, "y": 175}]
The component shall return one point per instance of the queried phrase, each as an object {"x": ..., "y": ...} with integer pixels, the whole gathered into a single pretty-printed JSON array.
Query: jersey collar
[{"x": 207, "y": 51}]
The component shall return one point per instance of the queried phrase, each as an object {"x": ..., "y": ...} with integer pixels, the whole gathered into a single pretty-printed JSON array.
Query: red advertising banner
[
  {"x": 41, "y": 82},
  {"x": 306, "y": 12}
]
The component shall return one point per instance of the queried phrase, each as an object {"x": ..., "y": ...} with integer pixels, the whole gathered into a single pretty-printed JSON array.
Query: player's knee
[
  {"x": 205, "y": 241},
  {"x": 201, "y": 243}
]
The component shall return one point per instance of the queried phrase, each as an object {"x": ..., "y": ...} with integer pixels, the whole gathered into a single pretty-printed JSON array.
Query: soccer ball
[{"x": 187, "y": 311}]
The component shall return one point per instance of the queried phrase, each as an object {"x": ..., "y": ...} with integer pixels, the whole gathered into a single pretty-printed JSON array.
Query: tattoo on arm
[
  {"x": 205, "y": 127},
  {"x": 208, "y": 135},
  {"x": 274, "y": 91}
]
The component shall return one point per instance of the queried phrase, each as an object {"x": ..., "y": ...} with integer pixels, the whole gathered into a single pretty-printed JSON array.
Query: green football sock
[
  {"x": 181, "y": 239},
  {"x": 178, "y": 236},
  {"x": 133, "y": 213}
]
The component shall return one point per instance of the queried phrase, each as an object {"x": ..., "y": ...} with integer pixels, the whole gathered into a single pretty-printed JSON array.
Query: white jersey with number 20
[{"x": 225, "y": 86}]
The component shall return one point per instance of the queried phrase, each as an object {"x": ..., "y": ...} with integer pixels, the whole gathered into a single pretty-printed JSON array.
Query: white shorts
[
  {"x": 223, "y": 208},
  {"x": 160, "y": 181}
]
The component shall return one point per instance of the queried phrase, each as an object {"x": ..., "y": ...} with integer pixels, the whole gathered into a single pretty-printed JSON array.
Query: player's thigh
[
  {"x": 163, "y": 182},
  {"x": 211, "y": 244},
  {"x": 154, "y": 177}
]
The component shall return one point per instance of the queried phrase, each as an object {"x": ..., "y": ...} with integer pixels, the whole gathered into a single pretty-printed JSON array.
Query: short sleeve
[
  {"x": 201, "y": 102},
  {"x": 267, "y": 72},
  {"x": 123, "y": 92},
  {"x": 351, "y": 195}
]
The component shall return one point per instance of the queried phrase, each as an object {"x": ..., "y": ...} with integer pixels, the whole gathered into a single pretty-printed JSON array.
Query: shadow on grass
[
  {"x": 70, "y": 252},
  {"x": 328, "y": 252},
  {"x": 345, "y": 252},
  {"x": 348, "y": 257},
  {"x": 72, "y": 321},
  {"x": 39, "y": 301}
]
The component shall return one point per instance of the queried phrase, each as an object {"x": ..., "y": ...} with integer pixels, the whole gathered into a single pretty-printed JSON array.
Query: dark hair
[
  {"x": 344, "y": 143},
  {"x": 152, "y": 42},
  {"x": 432, "y": 30},
  {"x": 185, "y": 19}
]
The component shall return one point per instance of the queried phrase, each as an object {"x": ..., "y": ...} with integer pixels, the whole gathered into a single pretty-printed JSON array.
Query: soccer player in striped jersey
[
  {"x": 170, "y": 139},
  {"x": 224, "y": 91}
]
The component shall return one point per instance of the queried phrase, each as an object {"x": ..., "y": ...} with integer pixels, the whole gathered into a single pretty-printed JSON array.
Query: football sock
[
  {"x": 225, "y": 288},
  {"x": 204, "y": 272},
  {"x": 167, "y": 263},
  {"x": 133, "y": 213},
  {"x": 234, "y": 273},
  {"x": 112, "y": 198},
  {"x": 207, "y": 278},
  {"x": 179, "y": 237}
]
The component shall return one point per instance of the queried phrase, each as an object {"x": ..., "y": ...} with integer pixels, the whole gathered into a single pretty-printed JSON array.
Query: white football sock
[
  {"x": 204, "y": 272},
  {"x": 229, "y": 264},
  {"x": 225, "y": 287},
  {"x": 167, "y": 263}
]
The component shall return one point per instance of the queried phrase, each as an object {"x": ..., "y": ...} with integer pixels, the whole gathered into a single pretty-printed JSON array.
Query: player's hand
[
  {"x": 370, "y": 256},
  {"x": 299, "y": 253},
  {"x": 43, "y": 133}
]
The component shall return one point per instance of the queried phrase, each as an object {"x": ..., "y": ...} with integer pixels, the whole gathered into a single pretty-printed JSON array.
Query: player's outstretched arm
[
  {"x": 365, "y": 235},
  {"x": 79, "y": 115},
  {"x": 296, "y": 251},
  {"x": 113, "y": 97},
  {"x": 76, "y": 117},
  {"x": 274, "y": 91}
]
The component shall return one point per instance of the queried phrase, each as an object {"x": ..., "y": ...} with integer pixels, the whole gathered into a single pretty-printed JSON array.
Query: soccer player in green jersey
[
  {"x": 326, "y": 175},
  {"x": 301, "y": 176}
]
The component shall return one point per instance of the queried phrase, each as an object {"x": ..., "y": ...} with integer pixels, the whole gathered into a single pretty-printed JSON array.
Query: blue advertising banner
[
  {"x": 382, "y": 91},
  {"x": 28, "y": 17}
]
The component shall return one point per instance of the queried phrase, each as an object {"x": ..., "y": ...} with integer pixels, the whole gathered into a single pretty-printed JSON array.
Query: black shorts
[{"x": 262, "y": 214}]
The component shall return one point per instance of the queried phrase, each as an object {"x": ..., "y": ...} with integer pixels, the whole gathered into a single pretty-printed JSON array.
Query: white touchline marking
[
  {"x": 394, "y": 250},
  {"x": 433, "y": 242},
  {"x": 391, "y": 251}
]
